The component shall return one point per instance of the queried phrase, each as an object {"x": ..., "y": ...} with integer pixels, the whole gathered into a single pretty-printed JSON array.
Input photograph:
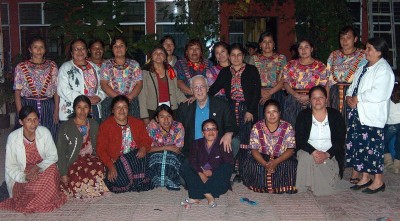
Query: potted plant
[{"x": 6, "y": 100}]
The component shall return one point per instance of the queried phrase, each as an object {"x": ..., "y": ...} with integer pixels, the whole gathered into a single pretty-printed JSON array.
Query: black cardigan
[
  {"x": 251, "y": 85},
  {"x": 338, "y": 134}
]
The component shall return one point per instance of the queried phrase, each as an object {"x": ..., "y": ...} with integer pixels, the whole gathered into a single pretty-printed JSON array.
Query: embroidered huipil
[
  {"x": 270, "y": 68},
  {"x": 38, "y": 74},
  {"x": 175, "y": 135},
  {"x": 121, "y": 78},
  {"x": 212, "y": 74},
  {"x": 300, "y": 76},
  {"x": 271, "y": 138},
  {"x": 236, "y": 84},
  {"x": 187, "y": 69},
  {"x": 341, "y": 68},
  {"x": 128, "y": 143}
]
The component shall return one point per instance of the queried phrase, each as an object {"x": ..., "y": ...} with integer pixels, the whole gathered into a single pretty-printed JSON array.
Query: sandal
[
  {"x": 191, "y": 201},
  {"x": 212, "y": 204},
  {"x": 354, "y": 180}
]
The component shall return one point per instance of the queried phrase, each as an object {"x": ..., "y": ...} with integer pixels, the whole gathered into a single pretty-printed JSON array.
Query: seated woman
[
  {"x": 81, "y": 172},
  {"x": 165, "y": 154},
  {"x": 31, "y": 173},
  {"x": 269, "y": 166},
  {"x": 122, "y": 144},
  {"x": 320, "y": 137},
  {"x": 210, "y": 167}
]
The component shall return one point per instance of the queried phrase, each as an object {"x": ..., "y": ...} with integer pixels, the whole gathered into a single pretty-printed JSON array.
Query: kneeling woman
[
  {"x": 269, "y": 166},
  {"x": 82, "y": 173},
  {"x": 320, "y": 137},
  {"x": 122, "y": 144},
  {"x": 31, "y": 173},
  {"x": 208, "y": 175},
  {"x": 165, "y": 154}
]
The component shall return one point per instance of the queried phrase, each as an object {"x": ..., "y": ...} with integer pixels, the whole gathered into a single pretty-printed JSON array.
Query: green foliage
[
  {"x": 321, "y": 21},
  {"x": 199, "y": 18},
  {"x": 71, "y": 19},
  {"x": 6, "y": 90},
  {"x": 145, "y": 44}
]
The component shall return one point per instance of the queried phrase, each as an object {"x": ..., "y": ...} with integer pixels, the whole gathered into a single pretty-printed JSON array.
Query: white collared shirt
[{"x": 320, "y": 134}]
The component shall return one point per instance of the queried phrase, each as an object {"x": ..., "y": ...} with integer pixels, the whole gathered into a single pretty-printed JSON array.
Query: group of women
[{"x": 102, "y": 145}]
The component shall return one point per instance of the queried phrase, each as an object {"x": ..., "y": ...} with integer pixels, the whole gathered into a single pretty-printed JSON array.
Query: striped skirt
[
  {"x": 280, "y": 97},
  {"x": 45, "y": 109},
  {"x": 132, "y": 174},
  {"x": 256, "y": 178},
  {"x": 164, "y": 169},
  {"x": 292, "y": 109},
  {"x": 337, "y": 98},
  {"x": 240, "y": 109},
  {"x": 106, "y": 108}
]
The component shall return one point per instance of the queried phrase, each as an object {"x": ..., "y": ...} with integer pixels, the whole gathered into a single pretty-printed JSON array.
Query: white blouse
[{"x": 320, "y": 135}]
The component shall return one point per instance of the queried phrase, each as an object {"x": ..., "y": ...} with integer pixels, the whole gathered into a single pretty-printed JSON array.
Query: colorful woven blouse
[
  {"x": 270, "y": 68},
  {"x": 300, "y": 76},
  {"x": 186, "y": 69},
  {"x": 212, "y": 74},
  {"x": 270, "y": 140},
  {"x": 36, "y": 80},
  {"x": 175, "y": 136},
  {"x": 121, "y": 78},
  {"x": 341, "y": 68}
]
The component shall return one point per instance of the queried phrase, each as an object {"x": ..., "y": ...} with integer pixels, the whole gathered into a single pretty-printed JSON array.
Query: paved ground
[{"x": 161, "y": 204}]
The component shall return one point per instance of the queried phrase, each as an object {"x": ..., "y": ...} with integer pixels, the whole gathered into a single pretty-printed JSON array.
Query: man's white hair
[{"x": 198, "y": 76}]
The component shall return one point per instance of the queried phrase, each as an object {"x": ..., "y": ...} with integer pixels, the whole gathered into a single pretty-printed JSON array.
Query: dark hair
[
  {"x": 26, "y": 110},
  {"x": 150, "y": 65},
  {"x": 71, "y": 45},
  {"x": 237, "y": 46},
  {"x": 380, "y": 45},
  {"x": 192, "y": 42},
  {"x": 96, "y": 40},
  {"x": 396, "y": 93},
  {"x": 209, "y": 121},
  {"x": 216, "y": 45},
  {"x": 117, "y": 99},
  {"x": 318, "y": 88},
  {"x": 293, "y": 50},
  {"x": 162, "y": 107},
  {"x": 346, "y": 29},
  {"x": 33, "y": 40},
  {"x": 272, "y": 102},
  {"x": 80, "y": 98},
  {"x": 114, "y": 41},
  {"x": 166, "y": 37},
  {"x": 309, "y": 42},
  {"x": 266, "y": 34}
]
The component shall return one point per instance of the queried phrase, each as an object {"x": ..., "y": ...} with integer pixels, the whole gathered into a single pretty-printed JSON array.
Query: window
[
  {"x": 164, "y": 26},
  {"x": 236, "y": 31},
  {"x": 6, "y": 38}
]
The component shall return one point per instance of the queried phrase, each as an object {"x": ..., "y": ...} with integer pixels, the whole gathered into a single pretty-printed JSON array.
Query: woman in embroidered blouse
[
  {"x": 121, "y": 76},
  {"x": 221, "y": 57},
  {"x": 35, "y": 84},
  {"x": 79, "y": 77},
  {"x": 341, "y": 67},
  {"x": 270, "y": 166},
  {"x": 320, "y": 136},
  {"x": 368, "y": 100},
  {"x": 242, "y": 86},
  {"x": 193, "y": 64},
  {"x": 122, "y": 144},
  {"x": 299, "y": 76},
  {"x": 270, "y": 65},
  {"x": 96, "y": 52},
  {"x": 159, "y": 85},
  {"x": 168, "y": 42},
  {"x": 165, "y": 156},
  {"x": 31, "y": 173},
  {"x": 81, "y": 171},
  {"x": 208, "y": 175}
]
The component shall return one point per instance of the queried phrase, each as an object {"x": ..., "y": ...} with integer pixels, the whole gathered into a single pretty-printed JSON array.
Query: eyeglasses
[
  {"x": 199, "y": 88},
  {"x": 250, "y": 202},
  {"x": 210, "y": 129}
]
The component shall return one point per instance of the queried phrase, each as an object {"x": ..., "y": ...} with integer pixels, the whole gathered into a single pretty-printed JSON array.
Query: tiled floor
[{"x": 161, "y": 204}]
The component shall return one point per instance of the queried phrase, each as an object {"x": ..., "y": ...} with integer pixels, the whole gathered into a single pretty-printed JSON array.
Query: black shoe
[
  {"x": 369, "y": 191},
  {"x": 237, "y": 178},
  {"x": 359, "y": 187},
  {"x": 173, "y": 188}
]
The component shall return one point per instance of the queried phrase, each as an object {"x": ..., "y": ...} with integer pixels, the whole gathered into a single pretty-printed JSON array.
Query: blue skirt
[{"x": 164, "y": 169}]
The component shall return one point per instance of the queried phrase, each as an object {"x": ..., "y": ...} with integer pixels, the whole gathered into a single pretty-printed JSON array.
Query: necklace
[{"x": 165, "y": 132}]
